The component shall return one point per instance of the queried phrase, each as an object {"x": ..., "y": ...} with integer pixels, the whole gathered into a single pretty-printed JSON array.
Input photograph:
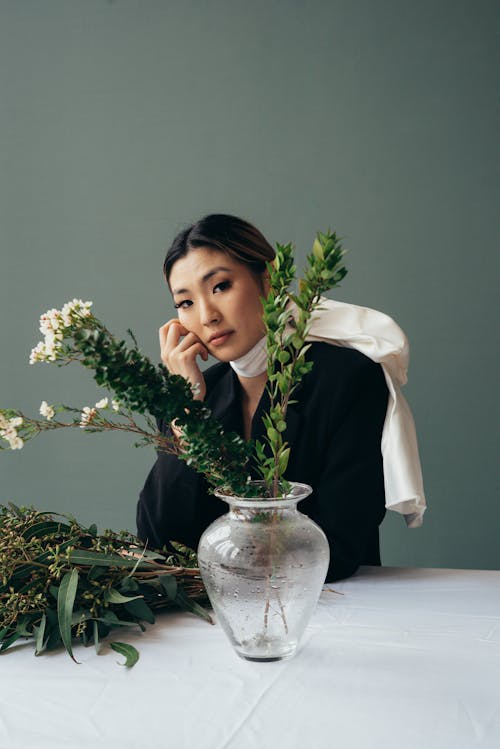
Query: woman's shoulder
[
  {"x": 330, "y": 357},
  {"x": 341, "y": 370}
]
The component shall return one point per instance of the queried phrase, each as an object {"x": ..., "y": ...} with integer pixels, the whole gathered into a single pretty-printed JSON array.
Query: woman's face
[{"x": 218, "y": 299}]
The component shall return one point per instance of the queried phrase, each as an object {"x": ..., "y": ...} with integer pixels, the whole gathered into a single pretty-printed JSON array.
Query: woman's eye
[
  {"x": 222, "y": 286},
  {"x": 184, "y": 304}
]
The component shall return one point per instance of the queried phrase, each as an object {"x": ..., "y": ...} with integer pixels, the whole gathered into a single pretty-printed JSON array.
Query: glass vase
[{"x": 263, "y": 565}]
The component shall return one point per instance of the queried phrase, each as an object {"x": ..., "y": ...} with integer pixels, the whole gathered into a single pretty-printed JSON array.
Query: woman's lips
[{"x": 220, "y": 340}]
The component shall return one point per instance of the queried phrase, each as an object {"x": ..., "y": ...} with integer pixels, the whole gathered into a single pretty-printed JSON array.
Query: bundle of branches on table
[{"x": 61, "y": 582}]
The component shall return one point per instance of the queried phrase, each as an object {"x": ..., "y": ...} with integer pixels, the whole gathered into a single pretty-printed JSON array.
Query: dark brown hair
[{"x": 230, "y": 234}]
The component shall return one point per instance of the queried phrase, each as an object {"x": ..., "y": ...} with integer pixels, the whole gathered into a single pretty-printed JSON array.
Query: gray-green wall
[{"x": 123, "y": 121}]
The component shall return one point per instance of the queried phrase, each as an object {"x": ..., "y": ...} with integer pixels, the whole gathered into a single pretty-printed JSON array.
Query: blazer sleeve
[
  {"x": 169, "y": 503},
  {"x": 350, "y": 496}
]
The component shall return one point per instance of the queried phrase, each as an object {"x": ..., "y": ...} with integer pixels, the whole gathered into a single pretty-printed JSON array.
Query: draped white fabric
[{"x": 380, "y": 338}]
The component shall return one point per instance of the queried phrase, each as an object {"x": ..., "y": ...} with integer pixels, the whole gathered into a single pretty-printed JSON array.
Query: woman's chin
[{"x": 223, "y": 356}]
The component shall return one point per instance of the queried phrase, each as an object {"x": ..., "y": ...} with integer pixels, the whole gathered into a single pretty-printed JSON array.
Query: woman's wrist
[{"x": 177, "y": 431}]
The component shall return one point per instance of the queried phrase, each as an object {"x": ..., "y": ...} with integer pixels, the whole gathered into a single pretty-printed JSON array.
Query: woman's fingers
[
  {"x": 179, "y": 349},
  {"x": 173, "y": 325},
  {"x": 190, "y": 340}
]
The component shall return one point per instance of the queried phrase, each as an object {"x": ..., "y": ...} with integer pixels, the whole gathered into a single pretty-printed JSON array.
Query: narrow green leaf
[
  {"x": 140, "y": 609},
  {"x": 131, "y": 654},
  {"x": 273, "y": 434},
  {"x": 188, "y": 604},
  {"x": 95, "y": 573},
  {"x": 104, "y": 560},
  {"x": 7, "y": 643},
  {"x": 169, "y": 583},
  {"x": 318, "y": 249},
  {"x": 40, "y": 632},
  {"x": 111, "y": 620},
  {"x": 283, "y": 460},
  {"x": 97, "y": 643},
  {"x": 65, "y": 602},
  {"x": 129, "y": 585},
  {"x": 45, "y": 528},
  {"x": 113, "y": 596}
]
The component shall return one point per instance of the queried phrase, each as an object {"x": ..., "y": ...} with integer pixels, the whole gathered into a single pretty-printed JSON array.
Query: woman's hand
[{"x": 179, "y": 349}]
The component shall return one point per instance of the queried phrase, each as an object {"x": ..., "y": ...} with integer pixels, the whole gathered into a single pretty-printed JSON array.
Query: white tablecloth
[{"x": 403, "y": 659}]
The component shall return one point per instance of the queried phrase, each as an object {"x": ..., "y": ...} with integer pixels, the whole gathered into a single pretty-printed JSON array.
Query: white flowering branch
[{"x": 16, "y": 428}]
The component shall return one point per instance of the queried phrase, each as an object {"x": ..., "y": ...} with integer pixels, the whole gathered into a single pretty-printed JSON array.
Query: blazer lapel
[{"x": 224, "y": 402}]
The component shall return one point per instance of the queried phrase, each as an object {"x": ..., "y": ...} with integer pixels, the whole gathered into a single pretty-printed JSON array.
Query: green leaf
[
  {"x": 45, "y": 528},
  {"x": 54, "y": 639},
  {"x": 104, "y": 560},
  {"x": 97, "y": 643},
  {"x": 113, "y": 596},
  {"x": 141, "y": 610},
  {"x": 318, "y": 249},
  {"x": 273, "y": 434},
  {"x": 65, "y": 602},
  {"x": 283, "y": 460},
  {"x": 169, "y": 584},
  {"x": 40, "y": 633},
  {"x": 188, "y": 604},
  {"x": 131, "y": 654},
  {"x": 110, "y": 619},
  {"x": 129, "y": 585},
  {"x": 7, "y": 643},
  {"x": 95, "y": 573}
]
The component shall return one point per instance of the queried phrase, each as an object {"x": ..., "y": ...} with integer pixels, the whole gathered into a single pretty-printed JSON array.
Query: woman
[{"x": 216, "y": 273}]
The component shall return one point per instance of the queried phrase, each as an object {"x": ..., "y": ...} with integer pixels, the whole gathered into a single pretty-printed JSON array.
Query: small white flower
[
  {"x": 55, "y": 325},
  {"x": 196, "y": 388},
  {"x": 39, "y": 353},
  {"x": 102, "y": 403},
  {"x": 47, "y": 411},
  {"x": 16, "y": 421},
  {"x": 115, "y": 405},
  {"x": 87, "y": 416},
  {"x": 16, "y": 443}
]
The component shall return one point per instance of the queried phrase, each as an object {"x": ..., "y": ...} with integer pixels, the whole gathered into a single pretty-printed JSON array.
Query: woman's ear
[{"x": 266, "y": 283}]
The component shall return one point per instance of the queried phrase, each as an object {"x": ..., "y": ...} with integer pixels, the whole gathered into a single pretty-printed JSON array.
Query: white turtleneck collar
[{"x": 254, "y": 362}]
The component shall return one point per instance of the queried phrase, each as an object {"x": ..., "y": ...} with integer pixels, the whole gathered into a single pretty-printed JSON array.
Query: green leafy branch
[
  {"x": 61, "y": 582},
  {"x": 286, "y": 341}
]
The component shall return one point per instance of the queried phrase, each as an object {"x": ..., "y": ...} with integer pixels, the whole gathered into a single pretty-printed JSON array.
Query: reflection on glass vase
[{"x": 263, "y": 565}]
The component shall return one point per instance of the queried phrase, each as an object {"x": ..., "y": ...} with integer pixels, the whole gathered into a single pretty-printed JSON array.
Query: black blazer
[{"x": 335, "y": 432}]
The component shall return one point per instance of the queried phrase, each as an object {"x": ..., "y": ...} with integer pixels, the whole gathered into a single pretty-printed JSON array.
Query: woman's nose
[{"x": 209, "y": 313}]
